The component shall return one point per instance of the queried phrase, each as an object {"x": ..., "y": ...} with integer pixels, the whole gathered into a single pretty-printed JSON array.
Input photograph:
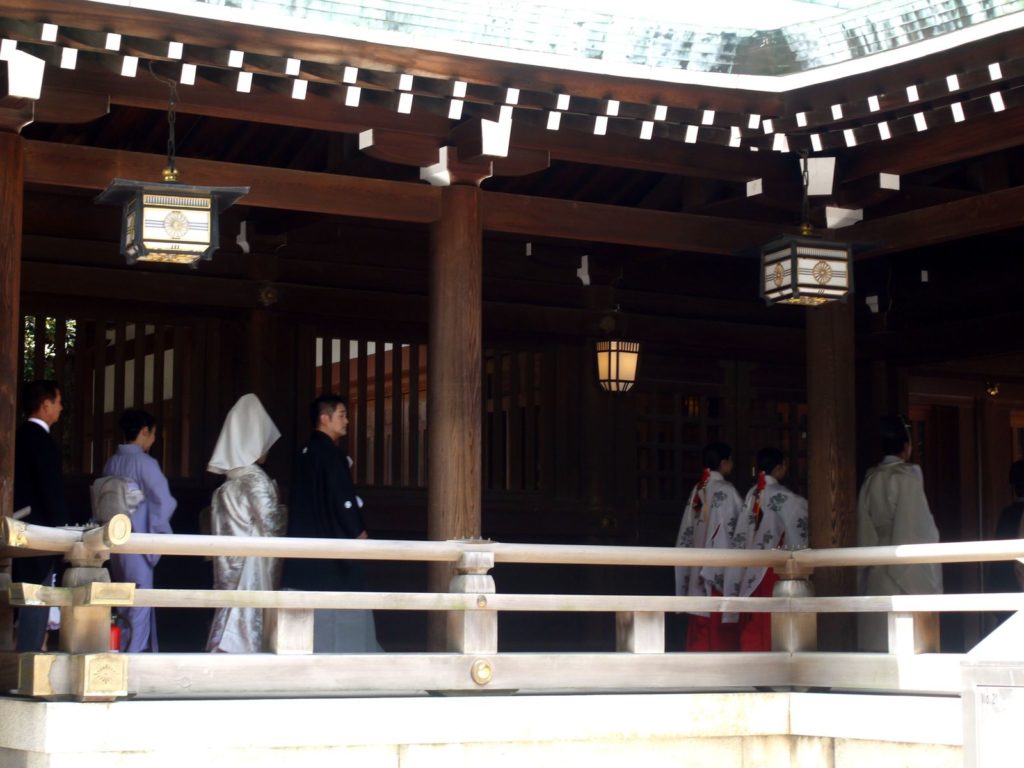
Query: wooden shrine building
[{"x": 444, "y": 237}]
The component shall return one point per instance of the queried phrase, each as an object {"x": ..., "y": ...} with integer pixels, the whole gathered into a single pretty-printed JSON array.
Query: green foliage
[{"x": 49, "y": 342}]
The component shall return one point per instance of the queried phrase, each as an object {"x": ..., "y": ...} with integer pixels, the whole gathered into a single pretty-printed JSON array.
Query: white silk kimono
[
  {"x": 245, "y": 505},
  {"x": 709, "y": 521},
  {"x": 782, "y": 525},
  {"x": 892, "y": 509}
]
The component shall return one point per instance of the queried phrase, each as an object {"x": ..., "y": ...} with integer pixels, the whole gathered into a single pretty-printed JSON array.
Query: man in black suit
[{"x": 39, "y": 484}]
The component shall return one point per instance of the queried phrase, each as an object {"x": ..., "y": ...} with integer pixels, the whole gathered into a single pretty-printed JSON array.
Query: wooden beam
[
  {"x": 975, "y": 337},
  {"x": 335, "y": 50},
  {"x": 548, "y": 217},
  {"x": 658, "y": 155},
  {"x": 318, "y": 112},
  {"x": 942, "y": 146},
  {"x": 975, "y": 215},
  {"x": 65, "y": 165}
]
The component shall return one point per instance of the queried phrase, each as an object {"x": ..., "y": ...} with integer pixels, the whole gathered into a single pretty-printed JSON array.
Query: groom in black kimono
[{"x": 323, "y": 504}]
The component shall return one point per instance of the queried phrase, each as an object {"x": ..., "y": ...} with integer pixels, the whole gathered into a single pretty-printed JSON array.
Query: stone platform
[{"x": 723, "y": 730}]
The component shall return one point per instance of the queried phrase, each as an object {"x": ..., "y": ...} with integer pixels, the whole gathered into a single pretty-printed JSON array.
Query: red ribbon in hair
[{"x": 757, "y": 496}]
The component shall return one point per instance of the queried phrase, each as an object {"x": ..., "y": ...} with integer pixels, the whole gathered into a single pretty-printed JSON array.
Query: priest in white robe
[
  {"x": 245, "y": 505},
  {"x": 709, "y": 521},
  {"x": 891, "y": 510},
  {"x": 774, "y": 517}
]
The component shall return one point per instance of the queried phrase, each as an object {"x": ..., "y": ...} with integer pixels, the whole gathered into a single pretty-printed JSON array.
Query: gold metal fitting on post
[{"x": 482, "y": 672}]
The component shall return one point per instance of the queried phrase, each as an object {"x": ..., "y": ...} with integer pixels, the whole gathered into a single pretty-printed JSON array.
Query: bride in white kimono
[{"x": 245, "y": 505}]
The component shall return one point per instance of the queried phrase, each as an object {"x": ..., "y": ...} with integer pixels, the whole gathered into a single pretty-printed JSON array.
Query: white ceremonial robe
[
  {"x": 245, "y": 505},
  {"x": 891, "y": 510},
  {"x": 712, "y": 527},
  {"x": 783, "y": 525}
]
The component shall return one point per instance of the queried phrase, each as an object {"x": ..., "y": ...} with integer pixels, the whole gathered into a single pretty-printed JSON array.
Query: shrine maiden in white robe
[
  {"x": 709, "y": 521},
  {"x": 245, "y": 505},
  {"x": 892, "y": 509},
  {"x": 782, "y": 525}
]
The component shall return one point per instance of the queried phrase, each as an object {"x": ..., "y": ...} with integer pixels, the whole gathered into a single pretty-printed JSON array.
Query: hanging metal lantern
[
  {"x": 169, "y": 222},
  {"x": 166, "y": 221},
  {"x": 617, "y": 363},
  {"x": 805, "y": 270}
]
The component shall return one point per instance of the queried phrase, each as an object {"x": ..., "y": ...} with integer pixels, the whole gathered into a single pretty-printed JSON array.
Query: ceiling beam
[
  {"x": 317, "y": 112},
  {"x": 975, "y": 215},
  {"x": 935, "y": 148},
  {"x": 69, "y": 166},
  {"x": 571, "y": 220},
  {"x": 188, "y": 289},
  {"x": 90, "y": 168},
  {"x": 996, "y": 334},
  {"x": 336, "y": 50}
]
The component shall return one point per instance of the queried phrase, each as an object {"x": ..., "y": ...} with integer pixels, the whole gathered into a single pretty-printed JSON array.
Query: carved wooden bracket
[
  {"x": 396, "y": 147},
  {"x": 15, "y": 113},
  {"x": 450, "y": 170}
]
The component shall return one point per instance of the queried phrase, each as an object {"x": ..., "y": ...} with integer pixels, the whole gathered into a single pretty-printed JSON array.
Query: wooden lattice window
[
  {"x": 105, "y": 366},
  {"x": 385, "y": 384},
  {"x": 672, "y": 428}
]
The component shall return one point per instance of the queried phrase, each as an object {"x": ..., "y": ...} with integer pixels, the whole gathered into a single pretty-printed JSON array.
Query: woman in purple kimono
[{"x": 153, "y": 515}]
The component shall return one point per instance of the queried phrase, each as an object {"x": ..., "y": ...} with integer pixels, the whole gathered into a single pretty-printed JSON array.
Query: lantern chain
[{"x": 170, "y": 172}]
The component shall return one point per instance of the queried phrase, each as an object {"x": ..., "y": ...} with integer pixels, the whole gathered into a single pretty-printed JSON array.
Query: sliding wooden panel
[
  {"x": 531, "y": 426},
  {"x": 179, "y": 395},
  {"x": 139, "y": 366},
  {"x": 159, "y": 411},
  {"x": 361, "y": 460},
  {"x": 326, "y": 364},
  {"x": 514, "y": 463},
  {"x": 198, "y": 439},
  {"x": 415, "y": 473},
  {"x": 548, "y": 422},
  {"x": 394, "y": 478},
  {"x": 119, "y": 357},
  {"x": 344, "y": 385},
  {"x": 97, "y": 453},
  {"x": 305, "y": 379},
  {"x": 379, "y": 409},
  {"x": 79, "y": 395}
]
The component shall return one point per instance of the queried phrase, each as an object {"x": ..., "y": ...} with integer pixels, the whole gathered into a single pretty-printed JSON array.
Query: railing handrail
[
  {"x": 501, "y": 601},
  {"x": 20, "y": 537}
]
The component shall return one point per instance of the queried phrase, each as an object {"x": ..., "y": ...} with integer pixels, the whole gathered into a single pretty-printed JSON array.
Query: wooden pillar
[
  {"x": 12, "y": 182},
  {"x": 454, "y": 428},
  {"x": 832, "y": 457}
]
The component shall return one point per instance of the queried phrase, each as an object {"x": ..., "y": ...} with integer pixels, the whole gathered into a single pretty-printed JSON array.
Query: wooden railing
[{"x": 84, "y": 669}]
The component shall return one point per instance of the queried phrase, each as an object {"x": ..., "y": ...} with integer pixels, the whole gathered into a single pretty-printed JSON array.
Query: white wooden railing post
[
  {"x": 473, "y": 631},
  {"x": 97, "y": 674},
  {"x": 911, "y": 633},
  {"x": 288, "y": 630},
  {"x": 794, "y": 632},
  {"x": 640, "y": 632}
]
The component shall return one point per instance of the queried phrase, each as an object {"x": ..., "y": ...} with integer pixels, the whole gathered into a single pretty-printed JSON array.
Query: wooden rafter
[{"x": 63, "y": 165}]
